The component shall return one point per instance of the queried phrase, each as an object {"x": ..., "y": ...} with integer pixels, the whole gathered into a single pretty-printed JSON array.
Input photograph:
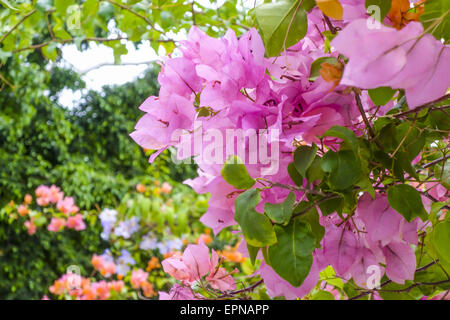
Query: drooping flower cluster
[
  {"x": 81, "y": 288},
  {"x": 227, "y": 83},
  {"x": 51, "y": 205},
  {"x": 194, "y": 265}
]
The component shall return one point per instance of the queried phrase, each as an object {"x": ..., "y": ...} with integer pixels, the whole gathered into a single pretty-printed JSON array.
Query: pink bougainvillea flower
[
  {"x": 31, "y": 227},
  {"x": 191, "y": 266},
  {"x": 388, "y": 57},
  {"x": 117, "y": 285},
  {"x": 138, "y": 277},
  {"x": 43, "y": 195},
  {"x": 218, "y": 277},
  {"x": 67, "y": 205},
  {"x": 101, "y": 289},
  {"x": 23, "y": 210},
  {"x": 178, "y": 292},
  {"x": 56, "y": 224},
  {"x": 76, "y": 222},
  {"x": 55, "y": 194},
  {"x": 166, "y": 188},
  {"x": 400, "y": 262},
  {"x": 341, "y": 248}
]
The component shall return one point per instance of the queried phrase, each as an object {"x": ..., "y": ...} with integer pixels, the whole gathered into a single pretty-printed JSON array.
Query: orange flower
[
  {"x": 140, "y": 188},
  {"x": 23, "y": 210},
  {"x": 28, "y": 199},
  {"x": 206, "y": 238},
  {"x": 401, "y": 13},
  {"x": 153, "y": 263},
  {"x": 331, "y": 72},
  {"x": 96, "y": 261},
  {"x": 148, "y": 289}
]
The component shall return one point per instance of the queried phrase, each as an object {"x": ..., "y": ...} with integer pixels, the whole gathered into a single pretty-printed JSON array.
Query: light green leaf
[
  {"x": 436, "y": 18},
  {"x": 322, "y": 295},
  {"x": 274, "y": 23},
  {"x": 382, "y": 95},
  {"x": 235, "y": 173},
  {"x": 6, "y": 4},
  {"x": 441, "y": 239}
]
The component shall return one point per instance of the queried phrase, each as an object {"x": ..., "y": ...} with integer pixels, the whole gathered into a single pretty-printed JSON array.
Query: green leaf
[
  {"x": 347, "y": 135},
  {"x": 273, "y": 21},
  {"x": 382, "y": 95},
  {"x": 383, "y": 5},
  {"x": 257, "y": 228},
  {"x": 441, "y": 239},
  {"x": 280, "y": 212},
  {"x": 406, "y": 200},
  {"x": 295, "y": 176},
  {"x": 90, "y": 8},
  {"x": 6, "y": 4},
  {"x": 344, "y": 168},
  {"x": 317, "y": 65},
  {"x": 235, "y": 173},
  {"x": 303, "y": 158},
  {"x": 252, "y": 252},
  {"x": 291, "y": 256},
  {"x": 312, "y": 218},
  {"x": 50, "y": 52},
  {"x": 435, "y": 11},
  {"x": 62, "y": 5},
  {"x": 322, "y": 295},
  {"x": 329, "y": 276},
  {"x": 331, "y": 205},
  {"x": 443, "y": 174},
  {"x": 315, "y": 171}
]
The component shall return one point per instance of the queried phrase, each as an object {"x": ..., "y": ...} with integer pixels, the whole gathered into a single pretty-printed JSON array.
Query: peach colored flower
[
  {"x": 30, "y": 226},
  {"x": 138, "y": 277},
  {"x": 23, "y": 210},
  {"x": 28, "y": 199},
  {"x": 56, "y": 224}
]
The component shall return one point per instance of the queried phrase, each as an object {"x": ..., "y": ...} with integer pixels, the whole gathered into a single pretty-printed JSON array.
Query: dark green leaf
[
  {"x": 303, "y": 158},
  {"x": 257, "y": 228},
  {"x": 291, "y": 257},
  {"x": 407, "y": 201},
  {"x": 280, "y": 212}
]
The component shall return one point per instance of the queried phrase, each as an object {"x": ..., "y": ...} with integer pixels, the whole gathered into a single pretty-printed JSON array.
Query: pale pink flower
[{"x": 56, "y": 224}]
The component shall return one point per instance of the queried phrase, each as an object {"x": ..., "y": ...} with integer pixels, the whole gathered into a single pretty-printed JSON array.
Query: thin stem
[
  {"x": 17, "y": 24},
  {"x": 426, "y": 105}
]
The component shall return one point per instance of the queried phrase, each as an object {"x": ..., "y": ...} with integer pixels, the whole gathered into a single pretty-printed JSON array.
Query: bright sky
[
  {"x": 99, "y": 54},
  {"x": 118, "y": 74}
]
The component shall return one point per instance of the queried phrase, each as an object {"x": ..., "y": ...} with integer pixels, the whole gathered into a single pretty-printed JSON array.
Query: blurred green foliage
[
  {"x": 85, "y": 150},
  {"x": 29, "y": 264}
]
